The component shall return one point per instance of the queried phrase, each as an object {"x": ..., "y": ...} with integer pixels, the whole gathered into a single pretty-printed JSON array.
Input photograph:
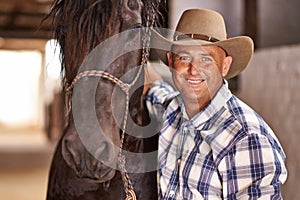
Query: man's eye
[
  {"x": 207, "y": 59},
  {"x": 185, "y": 58}
]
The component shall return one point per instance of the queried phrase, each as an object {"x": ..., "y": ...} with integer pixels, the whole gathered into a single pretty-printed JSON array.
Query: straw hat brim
[{"x": 240, "y": 48}]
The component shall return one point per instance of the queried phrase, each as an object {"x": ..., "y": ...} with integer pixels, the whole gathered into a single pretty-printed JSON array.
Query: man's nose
[{"x": 193, "y": 70}]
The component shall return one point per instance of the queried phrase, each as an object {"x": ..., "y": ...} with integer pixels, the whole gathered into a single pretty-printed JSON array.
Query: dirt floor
[{"x": 24, "y": 165}]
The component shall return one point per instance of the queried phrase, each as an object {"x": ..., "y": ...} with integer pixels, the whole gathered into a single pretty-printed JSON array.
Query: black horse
[{"x": 79, "y": 27}]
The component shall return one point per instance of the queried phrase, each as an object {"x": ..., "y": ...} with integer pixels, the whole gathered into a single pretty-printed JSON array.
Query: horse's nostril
[{"x": 66, "y": 146}]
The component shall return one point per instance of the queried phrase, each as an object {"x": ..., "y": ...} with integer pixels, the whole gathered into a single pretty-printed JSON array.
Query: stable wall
[
  {"x": 278, "y": 21},
  {"x": 271, "y": 85}
]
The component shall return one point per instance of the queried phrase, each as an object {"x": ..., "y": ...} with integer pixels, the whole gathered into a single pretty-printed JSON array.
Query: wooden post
[
  {"x": 251, "y": 21},
  {"x": 250, "y": 29}
]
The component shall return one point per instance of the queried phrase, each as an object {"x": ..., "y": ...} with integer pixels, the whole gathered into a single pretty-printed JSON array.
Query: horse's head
[{"x": 80, "y": 26}]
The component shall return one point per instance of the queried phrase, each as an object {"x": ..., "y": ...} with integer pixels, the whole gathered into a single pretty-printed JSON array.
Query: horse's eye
[{"x": 133, "y": 4}]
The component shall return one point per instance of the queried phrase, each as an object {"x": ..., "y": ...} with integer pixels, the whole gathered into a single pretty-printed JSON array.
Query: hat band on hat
[{"x": 196, "y": 36}]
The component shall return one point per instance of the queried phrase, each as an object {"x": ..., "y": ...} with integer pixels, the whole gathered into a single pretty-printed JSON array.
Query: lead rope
[
  {"x": 125, "y": 87},
  {"x": 130, "y": 194}
]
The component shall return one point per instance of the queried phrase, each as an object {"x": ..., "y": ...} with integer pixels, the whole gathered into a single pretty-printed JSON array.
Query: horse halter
[{"x": 125, "y": 87}]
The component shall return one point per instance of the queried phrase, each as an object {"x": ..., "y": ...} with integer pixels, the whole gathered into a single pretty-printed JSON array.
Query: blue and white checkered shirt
[{"x": 226, "y": 151}]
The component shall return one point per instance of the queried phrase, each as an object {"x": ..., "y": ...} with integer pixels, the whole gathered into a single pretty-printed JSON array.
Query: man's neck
[{"x": 194, "y": 108}]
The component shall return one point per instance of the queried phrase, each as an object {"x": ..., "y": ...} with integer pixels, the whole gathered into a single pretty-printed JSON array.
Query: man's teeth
[{"x": 195, "y": 81}]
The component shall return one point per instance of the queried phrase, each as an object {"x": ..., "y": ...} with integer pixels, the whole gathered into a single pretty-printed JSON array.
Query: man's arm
[
  {"x": 158, "y": 97},
  {"x": 253, "y": 169}
]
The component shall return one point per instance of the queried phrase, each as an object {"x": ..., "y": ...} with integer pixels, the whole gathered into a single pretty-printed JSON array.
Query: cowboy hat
[{"x": 206, "y": 27}]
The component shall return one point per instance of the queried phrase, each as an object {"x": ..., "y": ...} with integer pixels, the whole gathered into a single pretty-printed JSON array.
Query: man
[{"x": 211, "y": 145}]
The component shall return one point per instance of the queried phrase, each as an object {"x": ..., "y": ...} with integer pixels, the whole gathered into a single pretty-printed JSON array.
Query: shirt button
[
  {"x": 179, "y": 161},
  {"x": 172, "y": 192}
]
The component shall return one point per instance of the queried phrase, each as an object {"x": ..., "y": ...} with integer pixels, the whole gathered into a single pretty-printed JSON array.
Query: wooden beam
[
  {"x": 251, "y": 21},
  {"x": 22, "y": 44},
  {"x": 26, "y": 34}
]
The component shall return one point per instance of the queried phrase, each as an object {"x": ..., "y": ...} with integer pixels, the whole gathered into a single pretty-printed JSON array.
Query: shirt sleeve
[
  {"x": 158, "y": 97},
  {"x": 254, "y": 169}
]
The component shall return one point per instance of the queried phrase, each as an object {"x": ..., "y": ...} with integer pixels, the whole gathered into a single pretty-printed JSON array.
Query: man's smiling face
[{"x": 198, "y": 71}]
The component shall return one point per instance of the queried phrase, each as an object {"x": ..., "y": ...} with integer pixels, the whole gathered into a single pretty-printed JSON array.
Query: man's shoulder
[
  {"x": 240, "y": 123},
  {"x": 247, "y": 117}
]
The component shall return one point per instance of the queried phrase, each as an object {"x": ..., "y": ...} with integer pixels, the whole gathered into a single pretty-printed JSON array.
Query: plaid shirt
[{"x": 226, "y": 151}]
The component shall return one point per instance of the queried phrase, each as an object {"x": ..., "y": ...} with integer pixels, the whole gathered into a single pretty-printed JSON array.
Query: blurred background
[{"x": 31, "y": 105}]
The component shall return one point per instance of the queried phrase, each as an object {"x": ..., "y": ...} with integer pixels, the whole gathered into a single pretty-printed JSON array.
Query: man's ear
[
  {"x": 170, "y": 59},
  {"x": 226, "y": 65}
]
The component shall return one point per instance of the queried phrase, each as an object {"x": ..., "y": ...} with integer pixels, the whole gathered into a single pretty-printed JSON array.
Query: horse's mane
[{"x": 80, "y": 25}]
